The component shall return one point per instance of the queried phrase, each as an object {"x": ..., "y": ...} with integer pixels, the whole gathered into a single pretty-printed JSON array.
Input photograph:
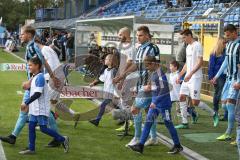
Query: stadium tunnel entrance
[{"x": 106, "y": 32}]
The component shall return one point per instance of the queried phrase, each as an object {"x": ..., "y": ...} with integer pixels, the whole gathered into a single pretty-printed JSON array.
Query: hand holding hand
[
  {"x": 214, "y": 81},
  {"x": 24, "y": 108},
  {"x": 26, "y": 85},
  {"x": 236, "y": 86},
  {"x": 152, "y": 105},
  {"x": 187, "y": 77}
]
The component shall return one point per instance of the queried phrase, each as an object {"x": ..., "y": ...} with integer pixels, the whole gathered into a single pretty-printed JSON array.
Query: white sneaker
[
  {"x": 133, "y": 142},
  {"x": 151, "y": 142}
]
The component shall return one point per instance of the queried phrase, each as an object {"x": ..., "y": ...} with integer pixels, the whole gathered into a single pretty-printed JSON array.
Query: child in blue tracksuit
[{"x": 161, "y": 104}]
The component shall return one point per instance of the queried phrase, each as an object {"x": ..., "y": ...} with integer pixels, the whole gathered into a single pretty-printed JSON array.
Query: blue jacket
[
  {"x": 214, "y": 65},
  {"x": 160, "y": 90}
]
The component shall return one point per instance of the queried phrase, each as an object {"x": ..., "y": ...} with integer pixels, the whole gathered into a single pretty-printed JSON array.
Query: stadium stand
[
  {"x": 125, "y": 7},
  {"x": 177, "y": 15}
]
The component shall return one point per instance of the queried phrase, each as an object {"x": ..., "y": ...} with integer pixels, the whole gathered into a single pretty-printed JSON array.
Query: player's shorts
[
  {"x": 143, "y": 99},
  {"x": 53, "y": 95},
  {"x": 192, "y": 88},
  {"x": 41, "y": 120},
  {"x": 142, "y": 103},
  {"x": 228, "y": 91}
]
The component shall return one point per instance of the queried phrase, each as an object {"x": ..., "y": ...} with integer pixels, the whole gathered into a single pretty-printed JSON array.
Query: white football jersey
[
  {"x": 40, "y": 106},
  {"x": 193, "y": 52}
]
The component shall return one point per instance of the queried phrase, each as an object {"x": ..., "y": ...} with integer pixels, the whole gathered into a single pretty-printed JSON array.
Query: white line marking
[
  {"x": 23, "y": 60},
  {"x": 2, "y": 154},
  {"x": 187, "y": 153}
]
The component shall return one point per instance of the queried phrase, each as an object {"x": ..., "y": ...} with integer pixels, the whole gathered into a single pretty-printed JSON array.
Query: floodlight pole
[{"x": 29, "y": 8}]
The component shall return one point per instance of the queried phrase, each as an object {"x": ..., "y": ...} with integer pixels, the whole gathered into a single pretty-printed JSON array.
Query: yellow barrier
[{"x": 209, "y": 42}]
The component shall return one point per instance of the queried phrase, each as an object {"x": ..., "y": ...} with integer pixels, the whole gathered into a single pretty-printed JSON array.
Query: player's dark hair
[
  {"x": 35, "y": 60},
  {"x": 145, "y": 29},
  {"x": 175, "y": 63},
  {"x": 186, "y": 32},
  {"x": 230, "y": 27},
  {"x": 29, "y": 29}
]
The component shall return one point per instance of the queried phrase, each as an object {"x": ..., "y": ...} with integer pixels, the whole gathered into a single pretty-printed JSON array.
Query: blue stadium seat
[
  {"x": 231, "y": 17},
  {"x": 226, "y": 18},
  {"x": 211, "y": 1},
  {"x": 221, "y": 5},
  {"x": 237, "y": 11},
  {"x": 236, "y": 17},
  {"x": 190, "y": 19},
  {"x": 193, "y": 27},
  {"x": 198, "y": 26},
  {"x": 179, "y": 20},
  {"x": 163, "y": 20}
]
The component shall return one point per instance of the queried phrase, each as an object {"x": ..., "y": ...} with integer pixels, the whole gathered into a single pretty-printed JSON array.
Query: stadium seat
[
  {"x": 226, "y": 18},
  {"x": 231, "y": 18},
  {"x": 198, "y": 26},
  {"x": 236, "y": 17},
  {"x": 237, "y": 11}
]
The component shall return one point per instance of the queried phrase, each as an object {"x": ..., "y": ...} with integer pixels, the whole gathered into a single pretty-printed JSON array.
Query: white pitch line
[
  {"x": 15, "y": 55},
  {"x": 2, "y": 153},
  {"x": 187, "y": 153}
]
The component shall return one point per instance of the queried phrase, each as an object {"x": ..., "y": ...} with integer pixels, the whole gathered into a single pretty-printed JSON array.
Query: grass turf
[
  {"x": 212, "y": 149},
  {"x": 86, "y": 142}
]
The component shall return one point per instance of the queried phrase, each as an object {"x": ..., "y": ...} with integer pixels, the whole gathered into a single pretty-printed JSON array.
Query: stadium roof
[
  {"x": 128, "y": 21},
  {"x": 105, "y": 23},
  {"x": 57, "y": 24}
]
